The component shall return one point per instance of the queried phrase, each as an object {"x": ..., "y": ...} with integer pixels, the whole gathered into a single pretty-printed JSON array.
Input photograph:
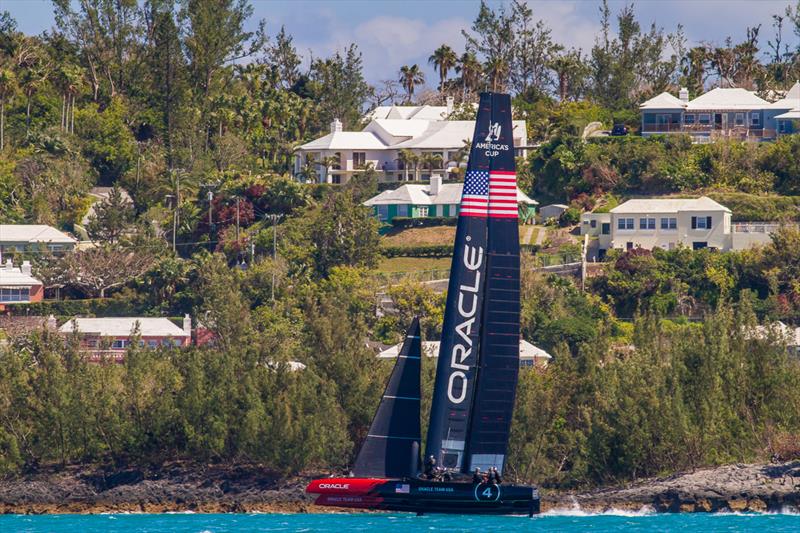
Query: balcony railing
[
  {"x": 757, "y": 227},
  {"x": 661, "y": 128}
]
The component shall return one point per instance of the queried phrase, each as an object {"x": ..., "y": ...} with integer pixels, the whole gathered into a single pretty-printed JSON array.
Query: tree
[
  {"x": 112, "y": 218},
  {"x": 532, "y": 52},
  {"x": 470, "y": 69},
  {"x": 444, "y": 59},
  {"x": 283, "y": 56},
  {"x": 410, "y": 77},
  {"x": 492, "y": 38},
  {"x": 571, "y": 73},
  {"x": 97, "y": 270},
  {"x": 431, "y": 160},
  {"x": 407, "y": 158},
  {"x": 338, "y": 87},
  {"x": 343, "y": 233},
  {"x": 8, "y": 87}
]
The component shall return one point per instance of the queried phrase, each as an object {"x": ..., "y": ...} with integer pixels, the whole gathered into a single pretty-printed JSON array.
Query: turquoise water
[{"x": 343, "y": 523}]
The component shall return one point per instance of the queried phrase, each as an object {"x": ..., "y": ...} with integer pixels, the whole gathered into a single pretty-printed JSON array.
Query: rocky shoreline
[{"x": 226, "y": 489}]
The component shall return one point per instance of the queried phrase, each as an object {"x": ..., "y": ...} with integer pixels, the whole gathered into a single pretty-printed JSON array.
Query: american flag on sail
[
  {"x": 491, "y": 194},
  {"x": 503, "y": 194}
]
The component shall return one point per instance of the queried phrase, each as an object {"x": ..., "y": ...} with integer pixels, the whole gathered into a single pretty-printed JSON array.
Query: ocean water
[{"x": 568, "y": 521}]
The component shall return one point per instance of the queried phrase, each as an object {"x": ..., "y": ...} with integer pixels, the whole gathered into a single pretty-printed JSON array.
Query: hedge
[{"x": 423, "y": 222}]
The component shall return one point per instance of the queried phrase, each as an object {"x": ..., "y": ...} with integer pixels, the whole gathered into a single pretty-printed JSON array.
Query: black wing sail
[
  {"x": 391, "y": 449},
  {"x": 498, "y": 368},
  {"x": 458, "y": 354}
]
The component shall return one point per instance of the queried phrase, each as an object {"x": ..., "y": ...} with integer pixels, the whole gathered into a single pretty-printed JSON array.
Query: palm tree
[
  {"x": 443, "y": 58},
  {"x": 329, "y": 162},
  {"x": 431, "y": 160},
  {"x": 410, "y": 77},
  {"x": 470, "y": 69},
  {"x": 407, "y": 158},
  {"x": 497, "y": 69},
  {"x": 32, "y": 79},
  {"x": 309, "y": 171},
  {"x": 8, "y": 87}
]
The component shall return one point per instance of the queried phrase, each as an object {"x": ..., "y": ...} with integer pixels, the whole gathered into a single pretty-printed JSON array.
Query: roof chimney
[
  {"x": 684, "y": 95},
  {"x": 336, "y": 125},
  {"x": 450, "y": 105},
  {"x": 436, "y": 185},
  {"x": 187, "y": 324},
  {"x": 26, "y": 268}
]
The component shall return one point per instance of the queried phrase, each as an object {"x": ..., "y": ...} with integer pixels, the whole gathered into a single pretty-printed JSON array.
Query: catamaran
[{"x": 477, "y": 369}]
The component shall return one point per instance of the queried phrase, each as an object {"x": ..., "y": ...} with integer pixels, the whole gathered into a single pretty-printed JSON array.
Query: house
[
  {"x": 529, "y": 355},
  {"x": 781, "y": 332},
  {"x": 720, "y": 113},
  {"x": 670, "y": 222},
  {"x": 33, "y": 237},
  {"x": 437, "y": 143},
  {"x": 103, "y": 338},
  {"x": 17, "y": 285},
  {"x": 552, "y": 211},
  {"x": 434, "y": 200}
]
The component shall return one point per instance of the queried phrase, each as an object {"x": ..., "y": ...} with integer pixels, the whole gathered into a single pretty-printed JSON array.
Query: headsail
[
  {"x": 498, "y": 366},
  {"x": 391, "y": 449},
  {"x": 452, "y": 403}
]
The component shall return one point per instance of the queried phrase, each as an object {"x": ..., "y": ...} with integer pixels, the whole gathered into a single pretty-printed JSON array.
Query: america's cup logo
[{"x": 494, "y": 132}]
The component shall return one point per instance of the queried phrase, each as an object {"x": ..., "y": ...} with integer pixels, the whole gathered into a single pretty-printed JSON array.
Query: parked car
[{"x": 619, "y": 130}]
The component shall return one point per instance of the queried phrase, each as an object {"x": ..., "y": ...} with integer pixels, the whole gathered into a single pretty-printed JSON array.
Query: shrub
[{"x": 423, "y": 222}]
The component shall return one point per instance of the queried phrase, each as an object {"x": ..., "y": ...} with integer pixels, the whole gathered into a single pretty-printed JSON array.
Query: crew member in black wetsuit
[
  {"x": 496, "y": 476},
  {"x": 430, "y": 467},
  {"x": 476, "y": 476}
]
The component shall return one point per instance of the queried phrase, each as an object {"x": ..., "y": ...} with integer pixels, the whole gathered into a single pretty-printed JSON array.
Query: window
[
  {"x": 755, "y": 119},
  {"x": 625, "y": 223},
  {"x": 689, "y": 119},
  {"x": 605, "y": 228},
  {"x": 647, "y": 223},
  {"x": 15, "y": 294},
  {"x": 152, "y": 344},
  {"x": 338, "y": 164},
  {"x": 593, "y": 223},
  {"x": 739, "y": 119},
  {"x": 669, "y": 223},
  {"x": 699, "y": 245},
  {"x": 781, "y": 126},
  {"x": 422, "y": 211},
  {"x": 382, "y": 211},
  {"x": 359, "y": 159},
  {"x": 704, "y": 118},
  {"x": 120, "y": 343},
  {"x": 701, "y": 222}
]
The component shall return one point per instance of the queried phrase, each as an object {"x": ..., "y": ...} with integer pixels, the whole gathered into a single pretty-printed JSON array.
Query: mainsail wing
[
  {"x": 391, "y": 449},
  {"x": 498, "y": 366},
  {"x": 452, "y": 402}
]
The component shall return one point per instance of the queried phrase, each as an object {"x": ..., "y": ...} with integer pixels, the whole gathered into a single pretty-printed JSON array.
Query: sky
[{"x": 392, "y": 33}]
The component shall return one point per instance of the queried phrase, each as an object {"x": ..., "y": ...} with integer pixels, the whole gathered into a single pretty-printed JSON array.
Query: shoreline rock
[{"x": 251, "y": 488}]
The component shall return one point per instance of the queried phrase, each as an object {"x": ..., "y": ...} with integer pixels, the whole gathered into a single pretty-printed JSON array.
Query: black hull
[{"x": 423, "y": 496}]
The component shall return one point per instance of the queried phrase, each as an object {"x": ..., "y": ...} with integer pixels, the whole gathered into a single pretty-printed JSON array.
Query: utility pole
[
  {"x": 171, "y": 198},
  {"x": 274, "y": 218},
  {"x": 210, "y": 218}
]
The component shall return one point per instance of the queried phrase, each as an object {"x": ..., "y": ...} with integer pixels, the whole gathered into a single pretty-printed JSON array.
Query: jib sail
[
  {"x": 498, "y": 366},
  {"x": 452, "y": 402},
  {"x": 391, "y": 449}
]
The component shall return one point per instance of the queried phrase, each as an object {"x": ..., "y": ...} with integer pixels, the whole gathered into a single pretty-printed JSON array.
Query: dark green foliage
[
  {"x": 431, "y": 250},
  {"x": 422, "y": 222}
]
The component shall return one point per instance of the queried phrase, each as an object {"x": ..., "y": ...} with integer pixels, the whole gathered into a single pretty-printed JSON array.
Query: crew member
[
  {"x": 430, "y": 467},
  {"x": 496, "y": 474},
  {"x": 476, "y": 476}
]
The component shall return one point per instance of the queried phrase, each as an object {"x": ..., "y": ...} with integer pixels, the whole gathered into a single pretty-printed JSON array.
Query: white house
[
  {"x": 434, "y": 200},
  {"x": 552, "y": 211},
  {"x": 529, "y": 355},
  {"x": 419, "y": 129},
  {"x": 26, "y": 237},
  {"x": 670, "y": 222}
]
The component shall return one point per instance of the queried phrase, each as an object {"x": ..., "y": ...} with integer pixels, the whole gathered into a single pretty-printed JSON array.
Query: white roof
[
  {"x": 669, "y": 205},
  {"x": 789, "y": 334},
  {"x": 527, "y": 351},
  {"x": 33, "y": 233},
  {"x": 560, "y": 206},
  {"x": 450, "y": 134},
  {"x": 13, "y": 277},
  {"x": 449, "y": 194},
  {"x": 124, "y": 326},
  {"x": 424, "y": 112},
  {"x": 794, "y": 115},
  {"x": 346, "y": 140},
  {"x": 663, "y": 101},
  {"x": 791, "y": 100},
  {"x": 400, "y": 128},
  {"x": 724, "y": 99}
]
